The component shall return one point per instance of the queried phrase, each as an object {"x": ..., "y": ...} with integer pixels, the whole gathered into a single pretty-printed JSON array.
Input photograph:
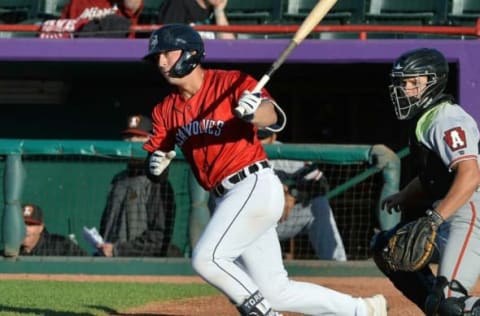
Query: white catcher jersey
[{"x": 450, "y": 132}]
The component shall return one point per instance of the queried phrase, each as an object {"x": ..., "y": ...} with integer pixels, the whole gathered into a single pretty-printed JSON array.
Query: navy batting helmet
[
  {"x": 177, "y": 36},
  {"x": 419, "y": 62}
]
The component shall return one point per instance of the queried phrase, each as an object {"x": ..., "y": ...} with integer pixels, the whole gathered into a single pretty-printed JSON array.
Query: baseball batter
[
  {"x": 238, "y": 252},
  {"x": 444, "y": 143}
]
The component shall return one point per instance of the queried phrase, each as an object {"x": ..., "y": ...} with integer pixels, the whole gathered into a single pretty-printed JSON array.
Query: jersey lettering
[
  {"x": 455, "y": 138},
  {"x": 97, "y": 13},
  {"x": 205, "y": 126}
]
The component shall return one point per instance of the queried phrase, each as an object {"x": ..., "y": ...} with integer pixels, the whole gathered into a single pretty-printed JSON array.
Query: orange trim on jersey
[
  {"x": 464, "y": 246},
  {"x": 462, "y": 158}
]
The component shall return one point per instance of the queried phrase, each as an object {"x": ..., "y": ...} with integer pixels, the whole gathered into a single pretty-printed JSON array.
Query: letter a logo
[{"x": 455, "y": 138}]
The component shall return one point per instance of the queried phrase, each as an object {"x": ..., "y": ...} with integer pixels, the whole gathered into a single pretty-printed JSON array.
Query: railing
[
  {"x": 361, "y": 29},
  {"x": 30, "y": 167}
]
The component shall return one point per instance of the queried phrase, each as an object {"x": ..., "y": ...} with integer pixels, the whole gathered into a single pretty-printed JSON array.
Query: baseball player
[
  {"x": 238, "y": 252},
  {"x": 444, "y": 144}
]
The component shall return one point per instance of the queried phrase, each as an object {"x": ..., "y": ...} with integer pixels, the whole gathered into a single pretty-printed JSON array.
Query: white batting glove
[
  {"x": 248, "y": 104},
  {"x": 159, "y": 161}
]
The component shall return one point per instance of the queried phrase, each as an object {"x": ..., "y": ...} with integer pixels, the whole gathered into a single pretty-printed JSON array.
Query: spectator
[
  {"x": 97, "y": 9},
  {"x": 196, "y": 12},
  {"x": 105, "y": 18},
  {"x": 39, "y": 242},
  {"x": 306, "y": 207},
  {"x": 138, "y": 217}
]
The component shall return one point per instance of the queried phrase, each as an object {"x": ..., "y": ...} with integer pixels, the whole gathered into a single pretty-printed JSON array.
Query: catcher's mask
[
  {"x": 173, "y": 37},
  {"x": 419, "y": 62}
]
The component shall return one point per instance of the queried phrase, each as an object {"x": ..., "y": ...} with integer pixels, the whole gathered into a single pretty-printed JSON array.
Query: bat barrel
[{"x": 314, "y": 17}]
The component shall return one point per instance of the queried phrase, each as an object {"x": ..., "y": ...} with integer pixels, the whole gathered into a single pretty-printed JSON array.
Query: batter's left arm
[
  {"x": 259, "y": 108},
  {"x": 269, "y": 116},
  {"x": 265, "y": 115}
]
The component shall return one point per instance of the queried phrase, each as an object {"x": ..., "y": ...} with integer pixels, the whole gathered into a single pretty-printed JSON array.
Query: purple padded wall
[{"x": 463, "y": 52}]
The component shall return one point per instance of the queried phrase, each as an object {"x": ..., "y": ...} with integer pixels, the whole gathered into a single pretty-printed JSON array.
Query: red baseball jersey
[
  {"x": 90, "y": 9},
  {"x": 212, "y": 139}
]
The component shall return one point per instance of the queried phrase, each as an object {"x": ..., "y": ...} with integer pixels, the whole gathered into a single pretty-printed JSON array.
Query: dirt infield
[{"x": 220, "y": 306}]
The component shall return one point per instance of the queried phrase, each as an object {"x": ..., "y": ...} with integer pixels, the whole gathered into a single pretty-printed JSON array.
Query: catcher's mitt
[{"x": 412, "y": 245}]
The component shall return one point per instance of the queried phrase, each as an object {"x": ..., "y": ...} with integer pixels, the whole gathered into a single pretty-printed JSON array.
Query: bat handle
[{"x": 239, "y": 111}]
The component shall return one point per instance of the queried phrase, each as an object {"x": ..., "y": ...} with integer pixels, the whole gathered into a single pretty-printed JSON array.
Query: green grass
[{"x": 56, "y": 298}]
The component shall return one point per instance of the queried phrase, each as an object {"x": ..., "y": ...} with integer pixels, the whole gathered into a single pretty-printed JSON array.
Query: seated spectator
[
  {"x": 97, "y": 9},
  {"x": 307, "y": 210},
  {"x": 39, "y": 242},
  {"x": 138, "y": 217},
  {"x": 196, "y": 12},
  {"x": 99, "y": 18}
]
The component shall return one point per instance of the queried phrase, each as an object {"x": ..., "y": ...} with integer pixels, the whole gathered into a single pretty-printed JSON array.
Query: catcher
[{"x": 440, "y": 217}]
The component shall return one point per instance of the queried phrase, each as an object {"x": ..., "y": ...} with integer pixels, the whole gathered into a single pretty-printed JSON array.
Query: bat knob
[
  {"x": 171, "y": 154},
  {"x": 239, "y": 111}
]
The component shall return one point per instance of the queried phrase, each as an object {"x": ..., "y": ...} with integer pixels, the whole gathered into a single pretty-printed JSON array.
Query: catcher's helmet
[
  {"x": 173, "y": 37},
  {"x": 419, "y": 62}
]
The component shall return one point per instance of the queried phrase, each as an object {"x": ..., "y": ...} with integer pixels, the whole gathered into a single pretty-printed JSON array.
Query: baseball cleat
[{"x": 376, "y": 305}]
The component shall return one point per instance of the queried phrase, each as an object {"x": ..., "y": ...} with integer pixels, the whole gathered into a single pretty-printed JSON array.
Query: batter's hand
[
  {"x": 248, "y": 104},
  {"x": 159, "y": 161}
]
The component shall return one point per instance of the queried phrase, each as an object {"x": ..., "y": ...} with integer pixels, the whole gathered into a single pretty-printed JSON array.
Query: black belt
[{"x": 220, "y": 190}]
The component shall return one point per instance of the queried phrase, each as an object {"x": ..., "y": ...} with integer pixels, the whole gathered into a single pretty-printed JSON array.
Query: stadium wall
[
  {"x": 70, "y": 178},
  {"x": 463, "y": 52},
  {"x": 116, "y": 56}
]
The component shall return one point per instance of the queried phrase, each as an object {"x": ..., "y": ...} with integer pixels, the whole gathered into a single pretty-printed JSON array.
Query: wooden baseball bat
[{"x": 314, "y": 17}]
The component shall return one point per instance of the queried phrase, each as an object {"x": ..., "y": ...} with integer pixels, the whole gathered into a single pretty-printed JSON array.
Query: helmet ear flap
[{"x": 185, "y": 64}]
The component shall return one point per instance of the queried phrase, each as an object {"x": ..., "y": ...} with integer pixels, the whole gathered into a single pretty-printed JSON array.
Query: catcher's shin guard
[
  {"x": 436, "y": 296},
  {"x": 437, "y": 305},
  {"x": 414, "y": 285},
  {"x": 255, "y": 305},
  {"x": 472, "y": 306}
]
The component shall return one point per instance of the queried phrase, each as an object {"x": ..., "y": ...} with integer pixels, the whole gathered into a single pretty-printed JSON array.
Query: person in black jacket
[
  {"x": 193, "y": 12},
  {"x": 39, "y": 242},
  {"x": 138, "y": 217}
]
